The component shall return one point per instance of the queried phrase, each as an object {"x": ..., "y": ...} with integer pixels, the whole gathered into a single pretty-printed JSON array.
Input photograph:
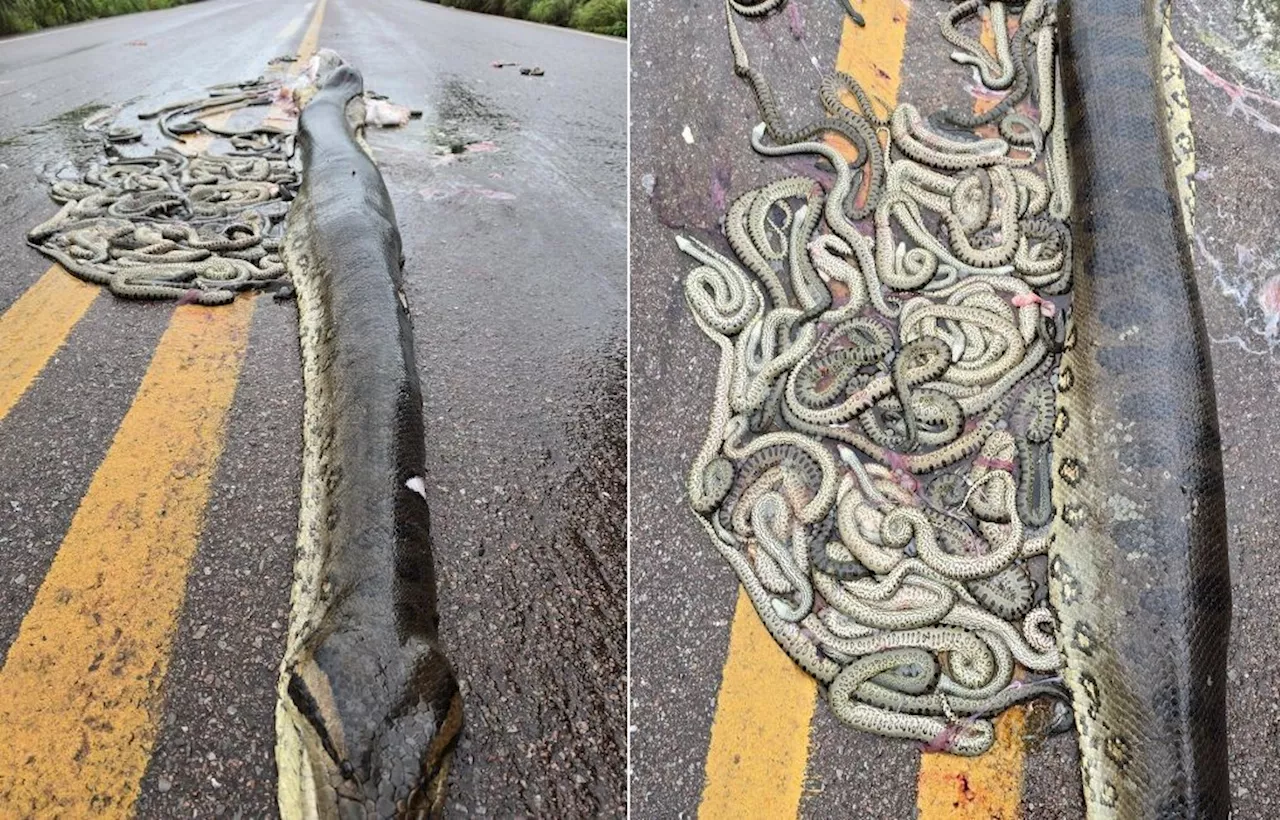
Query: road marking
[
  {"x": 309, "y": 40},
  {"x": 872, "y": 54},
  {"x": 989, "y": 787},
  {"x": 760, "y": 736},
  {"x": 759, "y": 743},
  {"x": 35, "y": 327},
  {"x": 81, "y": 688}
]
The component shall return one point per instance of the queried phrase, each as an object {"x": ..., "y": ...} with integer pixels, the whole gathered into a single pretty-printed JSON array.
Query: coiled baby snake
[
  {"x": 168, "y": 225},
  {"x": 915, "y": 591},
  {"x": 854, "y": 368}
]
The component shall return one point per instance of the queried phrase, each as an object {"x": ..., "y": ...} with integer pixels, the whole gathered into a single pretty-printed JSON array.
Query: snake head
[{"x": 367, "y": 738}]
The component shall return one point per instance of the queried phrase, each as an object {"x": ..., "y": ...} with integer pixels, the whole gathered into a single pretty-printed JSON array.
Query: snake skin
[
  {"x": 1139, "y": 572},
  {"x": 368, "y": 710}
]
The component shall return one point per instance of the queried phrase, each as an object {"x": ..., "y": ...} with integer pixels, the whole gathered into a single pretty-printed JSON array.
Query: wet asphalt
[
  {"x": 510, "y": 194},
  {"x": 682, "y": 593}
]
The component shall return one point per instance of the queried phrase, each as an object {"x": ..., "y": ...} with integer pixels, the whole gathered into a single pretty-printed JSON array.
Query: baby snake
[
  {"x": 853, "y": 368},
  {"x": 911, "y": 603},
  {"x": 172, "y": 226}
]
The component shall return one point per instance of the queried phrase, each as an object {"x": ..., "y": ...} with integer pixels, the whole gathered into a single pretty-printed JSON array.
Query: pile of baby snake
[
  {"x": 200, "y": 227},
  {"x": 877, "y": 465}
]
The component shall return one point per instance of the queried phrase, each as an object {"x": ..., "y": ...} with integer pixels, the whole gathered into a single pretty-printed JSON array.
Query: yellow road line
[
  {"x": 872, "y": 54},
  {"x": 81, "y": 688},
  {"x": 989, "y": 787},
  {"x": 311, "y": 39},
  {"x": 35, "y": 327},
  {"x": 760, "y": 736},
  {"x": 759, "y": 743}
]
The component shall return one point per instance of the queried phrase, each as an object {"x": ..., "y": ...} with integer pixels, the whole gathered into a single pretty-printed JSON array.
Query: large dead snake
[
  {"x": 369, "y": 709},
  {"x": 1139, "y": 573}
]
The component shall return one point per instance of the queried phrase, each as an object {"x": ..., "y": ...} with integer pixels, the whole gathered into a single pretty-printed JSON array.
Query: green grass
[
  {"x": 17, "y": 16},
  {"x": 599, "y": 16}
]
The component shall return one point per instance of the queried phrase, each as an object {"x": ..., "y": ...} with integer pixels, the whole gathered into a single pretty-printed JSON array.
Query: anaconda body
[
  {"x": 1139, "y": 574},
  {"x": 368, "y": 709}
]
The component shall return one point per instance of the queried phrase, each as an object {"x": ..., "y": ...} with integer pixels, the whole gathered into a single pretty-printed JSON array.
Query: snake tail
[
  {"x": 1139, "y": 572},
  {"x": 368, "y": 708}
]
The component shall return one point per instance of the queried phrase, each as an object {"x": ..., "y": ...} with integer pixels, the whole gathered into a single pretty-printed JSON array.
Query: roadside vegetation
[
  {"x": 18, "y": 16},
  {"x": 599, "y": 16}
]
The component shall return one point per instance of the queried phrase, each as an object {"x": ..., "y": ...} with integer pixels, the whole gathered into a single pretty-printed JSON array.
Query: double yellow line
[
  {"x": 759, "y": 745},
  {"x": 81, "y": 688}
]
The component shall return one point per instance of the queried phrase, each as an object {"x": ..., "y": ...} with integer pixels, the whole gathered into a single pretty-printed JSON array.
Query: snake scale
[
  {"x": 892, "y": 459},
  {"x": 1140, "y": 578},
  {"x": 368, "y": 708}
]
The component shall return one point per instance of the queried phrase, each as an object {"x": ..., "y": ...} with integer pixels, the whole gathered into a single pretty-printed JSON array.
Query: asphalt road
[
  {"x": 690, "y": 155},
  {"x": 515, "y": 276}
]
